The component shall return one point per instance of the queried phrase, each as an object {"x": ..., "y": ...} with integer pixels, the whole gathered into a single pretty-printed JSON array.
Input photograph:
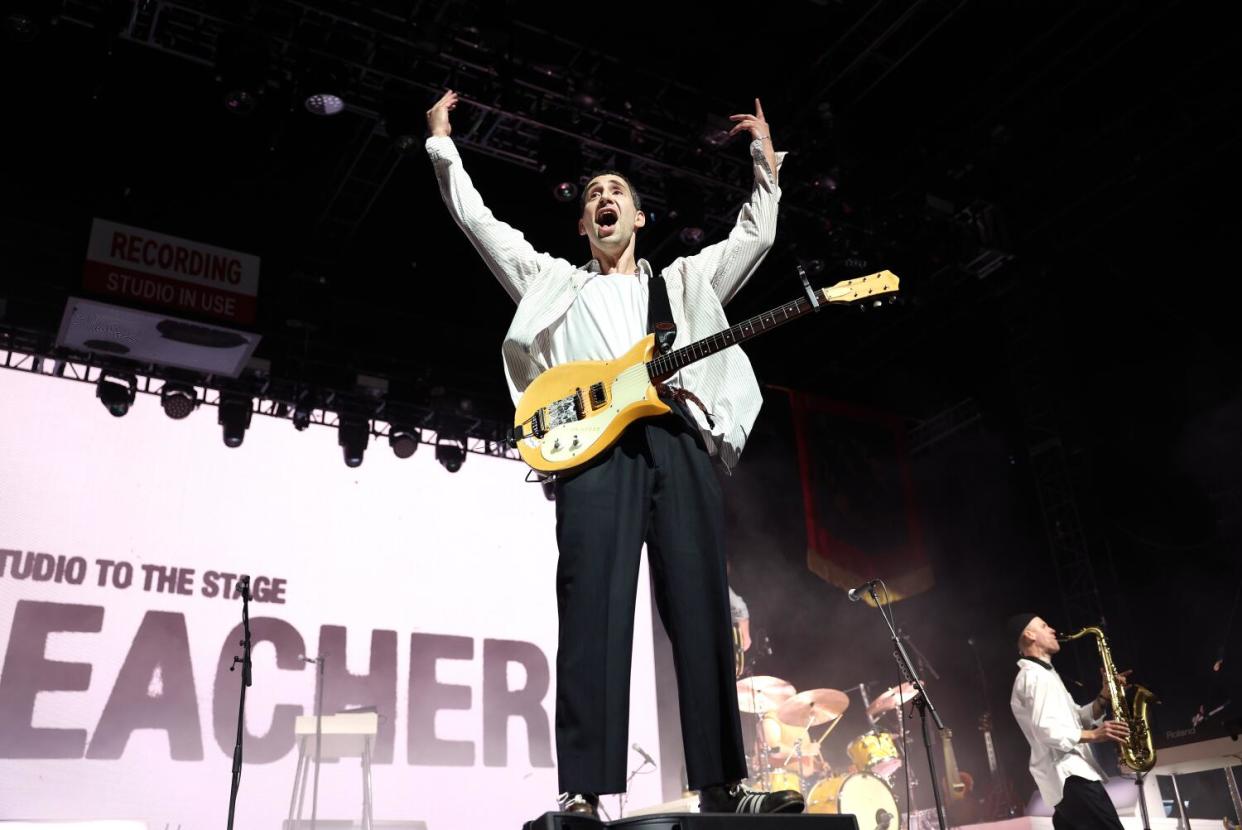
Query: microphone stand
[
  {"x": 319, "y": 662},
  {"x": 243, "y": 588},
  {"x": 921, "y": 701}
]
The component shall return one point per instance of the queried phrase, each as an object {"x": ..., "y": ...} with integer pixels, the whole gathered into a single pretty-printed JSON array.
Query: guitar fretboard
[{"x": 666, "y": 365}]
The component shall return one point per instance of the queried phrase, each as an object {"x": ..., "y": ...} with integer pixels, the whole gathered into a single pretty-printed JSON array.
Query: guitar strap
[
  {"x": 660, "y": 322},
  {"x": 660, "y": 315}
]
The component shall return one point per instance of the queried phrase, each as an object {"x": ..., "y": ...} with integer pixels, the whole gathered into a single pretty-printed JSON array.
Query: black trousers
[
  {"x": 1085, "y": 805},
  {"x": 655, "y": 485}
]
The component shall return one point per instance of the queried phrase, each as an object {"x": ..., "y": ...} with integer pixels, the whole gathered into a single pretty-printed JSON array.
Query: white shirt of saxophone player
[{"x": 1052, "y": 723}]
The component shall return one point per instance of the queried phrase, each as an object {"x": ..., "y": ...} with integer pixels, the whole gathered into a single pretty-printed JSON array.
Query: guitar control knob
[
  {"x": 556, "y": 445},
  {"x": 575, "y": 442}
]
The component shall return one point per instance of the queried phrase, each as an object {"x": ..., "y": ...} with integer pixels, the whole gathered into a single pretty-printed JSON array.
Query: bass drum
[{"x": 862, "y": 795}]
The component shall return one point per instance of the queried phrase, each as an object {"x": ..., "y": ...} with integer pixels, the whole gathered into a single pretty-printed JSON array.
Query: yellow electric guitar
[{"x": 573, "y": 412}]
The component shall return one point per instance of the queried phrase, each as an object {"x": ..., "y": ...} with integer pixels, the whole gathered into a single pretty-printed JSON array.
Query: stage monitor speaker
[
  {"x": 694, "y": 821},
  {"x": 351, "y": 824}
]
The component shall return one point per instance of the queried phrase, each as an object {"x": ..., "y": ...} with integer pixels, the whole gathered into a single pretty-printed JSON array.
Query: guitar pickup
[{"x": 598, "y": 397}]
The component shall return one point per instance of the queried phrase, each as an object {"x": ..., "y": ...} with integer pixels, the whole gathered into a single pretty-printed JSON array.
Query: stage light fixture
[
  {"x": 401, "y": 113},
  {"x": 403, "y": 440},
  {"x": 324, "y": 103},
  {"x": 243, "y": 59},
  {"x": 324, "y": 90},
  {"x": 451, "y": 453},
  {"x": 353, "y": 433},
  {"x": 560, "y": 161},
  {"x": 234, "y": 417},
  {"x": 178, "y": 400},
  {"x": 304, "y": 403},
  {"x": 117, "y": 396},
  {"x": 686, "y": 210}
]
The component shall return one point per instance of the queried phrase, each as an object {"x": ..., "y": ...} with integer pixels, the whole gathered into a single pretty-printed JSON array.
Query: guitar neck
[
  {"x": 950, "y": 762},
  {"x": 667, "y": 365},
  {"x": 987, "y": 742}
]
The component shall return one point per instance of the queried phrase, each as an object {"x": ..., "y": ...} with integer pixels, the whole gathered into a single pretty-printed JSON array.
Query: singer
[
  {"x": 1060, "y": 731},
  {"x": 656, "y": 485}
]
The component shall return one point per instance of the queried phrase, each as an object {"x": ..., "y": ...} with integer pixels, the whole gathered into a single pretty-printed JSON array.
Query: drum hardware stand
[
  {"x": 921, "y": 700},
  {"x": 866, "y": 702}
]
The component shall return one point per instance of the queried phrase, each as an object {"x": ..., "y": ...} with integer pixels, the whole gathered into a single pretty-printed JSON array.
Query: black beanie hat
[{"x": 1016, "y": 625}]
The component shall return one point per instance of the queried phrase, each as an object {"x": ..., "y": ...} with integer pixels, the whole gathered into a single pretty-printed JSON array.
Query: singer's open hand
[
  {"x": 438, "y": 115},
  {"x": 759, "y": 131}
]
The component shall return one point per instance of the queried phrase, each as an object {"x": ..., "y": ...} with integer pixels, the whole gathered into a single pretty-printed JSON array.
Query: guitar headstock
[{"x": 860, "y": 288}]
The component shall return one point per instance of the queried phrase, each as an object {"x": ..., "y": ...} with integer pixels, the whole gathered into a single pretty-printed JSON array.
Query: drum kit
[{"x": 788, "y": 755}]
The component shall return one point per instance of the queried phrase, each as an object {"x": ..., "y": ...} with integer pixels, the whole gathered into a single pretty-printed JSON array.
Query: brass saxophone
[{"x": 1137, "y": 753}]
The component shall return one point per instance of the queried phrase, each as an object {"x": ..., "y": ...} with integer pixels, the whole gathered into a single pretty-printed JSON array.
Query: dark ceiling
[{"x": 1087, "y": 142}]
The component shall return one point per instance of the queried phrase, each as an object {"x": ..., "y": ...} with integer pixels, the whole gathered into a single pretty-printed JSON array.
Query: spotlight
[
  {"x": 403, "y": 440},
  {"x": 178, "y": 400},
  {"x": 353, "y": 435},
  {"x": 117, "y": 397},
  {"x": 25, "y": 21},
  {"x": 687, "y": 210},
  {"x": 324, "y": 103},
  {"x": 235, "y": 412},
  {"x": 242, "y": 63},
  {"x": 402, "y": 116},
  {"x": 303, "y": 407},
  {"x": 586, "y": 93},
  {"x": 451, "y": 453},
  {"x": 826, "y": 182},
  {"x": 560, "y": 162},
  {"x": 323, "y": 89},
  {"x": 240, "y": 101}
]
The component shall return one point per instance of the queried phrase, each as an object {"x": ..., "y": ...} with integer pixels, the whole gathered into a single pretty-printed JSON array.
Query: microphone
[
  {"x": 856, "y": 594},
  {"x": 643, "y": 753}
]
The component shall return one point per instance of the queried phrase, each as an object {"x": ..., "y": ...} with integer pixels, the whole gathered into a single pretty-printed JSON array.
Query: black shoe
[
  {"x": 742, "y": 799},
  {"x": 585, "y": 803}
]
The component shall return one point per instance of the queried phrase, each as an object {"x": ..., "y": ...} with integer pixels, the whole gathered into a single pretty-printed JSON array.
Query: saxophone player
[{"x": 1060, "y": 731}]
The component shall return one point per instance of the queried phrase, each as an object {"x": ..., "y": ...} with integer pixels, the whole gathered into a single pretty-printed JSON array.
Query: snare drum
[
  {"x": 862, "y": 795},
  {"x": 875, "y": 752}
]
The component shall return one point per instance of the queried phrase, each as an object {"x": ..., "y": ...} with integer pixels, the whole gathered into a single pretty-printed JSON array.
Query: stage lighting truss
[
  {"x": 509, "y": 117},
  {"x": 271, "y": 397}
]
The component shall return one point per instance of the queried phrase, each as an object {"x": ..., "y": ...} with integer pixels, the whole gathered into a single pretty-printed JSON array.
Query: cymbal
[
  {"x": 813, "y": 707},
  {"x": 763, "y": 693},
  {"x": 892, "y": 698}
]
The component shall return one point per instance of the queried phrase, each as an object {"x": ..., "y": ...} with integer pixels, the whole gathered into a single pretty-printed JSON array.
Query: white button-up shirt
[
  {"x": 545, "y": 287},
  {"x": 1053, "y": 723}
]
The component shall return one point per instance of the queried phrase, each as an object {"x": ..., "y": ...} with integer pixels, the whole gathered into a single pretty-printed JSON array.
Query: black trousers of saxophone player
[
  {"x": 656, "y": 485},
  {"x": 1085, "y": 805}
]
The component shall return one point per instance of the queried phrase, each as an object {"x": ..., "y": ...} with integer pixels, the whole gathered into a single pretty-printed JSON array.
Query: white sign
[
  {"x": 157, "y": 269},
  {"x": 431, "y": 593}
]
